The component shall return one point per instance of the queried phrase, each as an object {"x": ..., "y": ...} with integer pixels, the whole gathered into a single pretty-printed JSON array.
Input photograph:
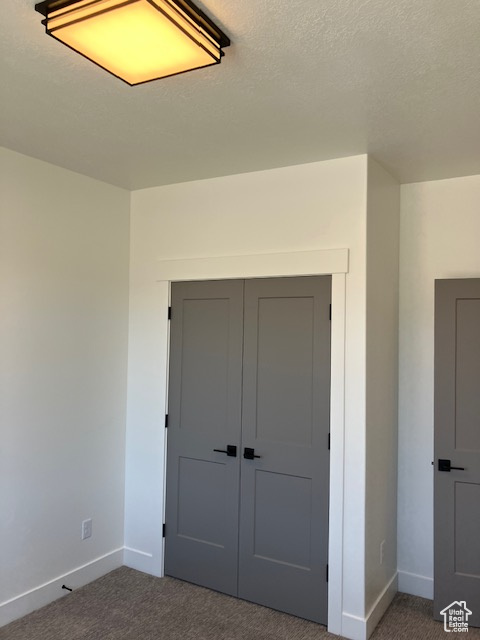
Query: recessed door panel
[
  {"x": 285, "y": 370},
  {"x": 201, "y": 500},
  {"x": 204, "y": 398},
  {"x": 467, "y": 378},
  {"x": 283, "y": 505},
  {"x": 467, "y": 529}
]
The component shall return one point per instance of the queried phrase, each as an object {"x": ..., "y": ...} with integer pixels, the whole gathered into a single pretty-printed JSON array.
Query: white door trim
[{"x": 332, "y": 262}]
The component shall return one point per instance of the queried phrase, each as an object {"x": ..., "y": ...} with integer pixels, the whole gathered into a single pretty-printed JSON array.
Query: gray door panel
[
  {"x": 457, "y": 438},
  {"x": 204, "y": 414},
  {"x": 284, "y": 492}
]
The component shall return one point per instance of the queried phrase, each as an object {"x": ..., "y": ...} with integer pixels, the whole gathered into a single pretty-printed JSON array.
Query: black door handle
[
  {"x": 446, "y": 465},
  {"x": 249, "y": 454},
  {"x": 231, "y": 450}
]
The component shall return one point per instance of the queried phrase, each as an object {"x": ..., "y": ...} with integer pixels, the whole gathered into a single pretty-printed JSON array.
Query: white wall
[
  {"x": 64, "y": 325},
  {"x": 440, "y": 233},
  {"x": 383, "y": 211},
  {"x": 301, "y": 208}
]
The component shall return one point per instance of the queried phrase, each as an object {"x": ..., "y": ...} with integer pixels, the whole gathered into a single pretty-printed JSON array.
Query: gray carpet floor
[{"x": 129, "y": 605}]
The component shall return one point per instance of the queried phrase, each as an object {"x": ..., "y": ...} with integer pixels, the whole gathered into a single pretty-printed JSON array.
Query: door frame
[{"x": 333, "y": 262}]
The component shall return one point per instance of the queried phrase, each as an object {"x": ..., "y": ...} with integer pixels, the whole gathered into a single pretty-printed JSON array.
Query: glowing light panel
[{"x": 136, "y": 40}]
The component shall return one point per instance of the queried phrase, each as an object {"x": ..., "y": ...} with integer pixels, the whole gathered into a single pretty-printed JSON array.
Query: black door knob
[
  {"x": 231, "y": 450},
  {"x": 249, "y": 453},
  {"x": 446, "y": 465}
]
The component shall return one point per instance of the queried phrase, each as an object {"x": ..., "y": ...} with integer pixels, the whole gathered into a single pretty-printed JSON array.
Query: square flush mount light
[{"x": 136, "y": 40}]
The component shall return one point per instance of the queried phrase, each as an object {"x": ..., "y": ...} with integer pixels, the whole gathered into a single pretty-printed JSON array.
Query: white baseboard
[
  {"x": 415, "y": 585},
  {"x": 381, "y": 605},
  {"x": 52, "y": 590},
  {"x": 141, "y": 561},
  {"x": 356, "y": 628}
]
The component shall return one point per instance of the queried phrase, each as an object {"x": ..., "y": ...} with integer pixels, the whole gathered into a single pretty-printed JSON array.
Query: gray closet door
[
  {"x": 204, "y": 414},
  {"x": 286, "y": 408},
  {"x": 457, "y": 444}
]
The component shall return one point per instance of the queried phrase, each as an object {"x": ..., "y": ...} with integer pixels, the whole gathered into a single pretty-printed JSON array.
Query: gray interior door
[
  {"x": 266, "y": 341},
  {"x": 205, "y": 384},
  {"x": 457, "y": 444},
  {"x": 285, "y": 420}
]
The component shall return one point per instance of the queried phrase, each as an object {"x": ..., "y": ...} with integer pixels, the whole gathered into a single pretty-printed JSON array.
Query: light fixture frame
[{"x": 196, "y": 15}]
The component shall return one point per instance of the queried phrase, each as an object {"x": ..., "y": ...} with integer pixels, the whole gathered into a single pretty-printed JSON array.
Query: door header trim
[{"x": 296, "y": 263}]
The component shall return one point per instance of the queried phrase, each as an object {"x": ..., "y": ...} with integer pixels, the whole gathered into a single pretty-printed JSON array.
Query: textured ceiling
[{"x": 304, "y": 80}]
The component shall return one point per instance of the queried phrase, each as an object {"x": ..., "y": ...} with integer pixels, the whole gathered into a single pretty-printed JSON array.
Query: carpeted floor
[{"x": 128, "y": 605}]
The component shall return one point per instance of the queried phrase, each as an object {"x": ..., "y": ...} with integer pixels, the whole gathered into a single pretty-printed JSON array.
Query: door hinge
[
  {"x": 163, "y": 530},
  {"x": 330, "y": 313},
  {"x": 166, "y": 421},
  {"x": 169, "y": 313},
  {"x": 329, "y": 442},
  {"x": 326, "y": 573}
]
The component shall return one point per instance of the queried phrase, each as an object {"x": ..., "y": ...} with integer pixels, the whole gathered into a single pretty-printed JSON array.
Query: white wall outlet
[
  {"x": 87, "y": 529},
  {"x": 382, "y": 551}
]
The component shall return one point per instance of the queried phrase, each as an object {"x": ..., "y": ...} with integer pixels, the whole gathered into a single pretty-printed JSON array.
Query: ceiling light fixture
[{"x": 136, "y": 40}]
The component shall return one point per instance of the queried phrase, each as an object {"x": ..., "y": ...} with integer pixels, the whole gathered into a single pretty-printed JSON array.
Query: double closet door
[{"x": 248, "y": 440}]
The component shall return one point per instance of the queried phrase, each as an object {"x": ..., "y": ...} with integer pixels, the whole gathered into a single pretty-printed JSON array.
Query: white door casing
[{"x": 332, "y": 262}]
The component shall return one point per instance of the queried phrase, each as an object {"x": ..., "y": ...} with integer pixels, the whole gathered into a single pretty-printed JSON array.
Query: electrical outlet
[
  {"x": 87, "y": 529},
  {"x": 382, "y": 551}
]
